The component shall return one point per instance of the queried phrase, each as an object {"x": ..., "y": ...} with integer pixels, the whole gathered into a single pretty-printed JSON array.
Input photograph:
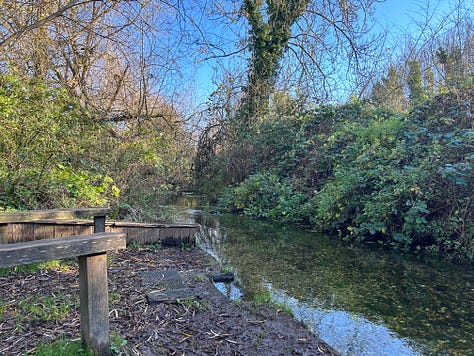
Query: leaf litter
[{"x": 205, "y": 323}]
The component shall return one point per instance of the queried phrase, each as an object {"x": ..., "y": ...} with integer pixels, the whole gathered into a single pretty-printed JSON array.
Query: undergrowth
[{"x": 365, "y": 174}]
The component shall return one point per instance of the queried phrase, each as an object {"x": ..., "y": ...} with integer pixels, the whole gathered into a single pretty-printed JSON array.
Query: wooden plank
[
  {"x": 94, "y": 304},
  {"x": 62, "y": 222},
  {"x": 113, "y": 228},
  {"x": 22, "y": 253},
  {"x": 22, "y": 232},
  {"x": 63, "y": 231},
  {"x": 83, "y": 229},
  {"x": 152, "y": 225},
  {"x": 53, "y": 214},
  {"x": 151, "y": 236},
  {"x": 168, "y": 234},
  {"x": 136, "y": 234},
  {"x": 43, "y": 231},
  {"x": 4, "y": 233}
]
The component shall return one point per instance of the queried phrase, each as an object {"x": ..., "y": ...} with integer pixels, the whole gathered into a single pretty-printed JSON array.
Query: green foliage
[
  {"x": 3, "y": 307},
  {"x": 270, "y": 25},
  {"x": 262, "y": 298},
  {"x": 65, "y": 347},
  {"x": 392, "y": 180},
  {"x": 404, "y": 180},
  {"x": 46, "y": 307},
  {"x": 35, "y": 267},
  {"x": 45, "y": 136},
  {"x": 415, "y": 82},
  {"x": 61, "y": 347},
  {"x": 264, "y": 195},
  {"x": 388, "y": 92},
  {"x": 117, "y": 343},
  {"x": 455, "y": 69},
  {"x": 147, "y": 159},
  {"x": 360, "y": 194},
  {"x": 281, "y": 141},
  {"x": 265, "y": 298},
  {"x": 55, "y": 154},
  {"x": 190, "y": 304}
]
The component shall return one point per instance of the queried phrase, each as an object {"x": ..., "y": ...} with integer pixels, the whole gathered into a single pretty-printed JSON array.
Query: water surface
[{"x": 360, "y": 300}]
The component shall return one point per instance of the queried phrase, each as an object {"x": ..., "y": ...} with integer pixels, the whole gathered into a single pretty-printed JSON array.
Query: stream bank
[
  {"x": 208, "y": 324},
  {"x": 362, "y": 300}
]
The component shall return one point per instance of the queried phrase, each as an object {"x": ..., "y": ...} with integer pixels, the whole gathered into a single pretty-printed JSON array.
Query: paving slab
[{"x": 165, "y": 286}]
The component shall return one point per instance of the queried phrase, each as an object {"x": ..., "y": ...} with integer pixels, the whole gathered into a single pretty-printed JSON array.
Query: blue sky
[
  {"x": 397, "y": 16},
  {"x": 396, "y": 12},
  {"x": 401, "y": 13}
]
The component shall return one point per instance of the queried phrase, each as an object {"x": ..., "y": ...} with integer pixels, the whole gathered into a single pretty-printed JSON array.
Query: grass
[
  {"x": 62, "y": 347},
  {"x": 141, "y": 246},
  {"x": 117, "y": 343},
  {"x": 190, "y": 304},
  {"x": 265, "y": 298},
  {"x": 46, "y": 307},
  {"x": 200, "y": 277},
  {"x": 226, "y": 269},
  {"x": 186, "y": 246},
  {"x": 262, "y": 298},
  {"x": 114, "y": 298},
  {"x": 36, "y": 267},
  {"x": 66, "y": 347},
  {"x": 3, "y": 307}
]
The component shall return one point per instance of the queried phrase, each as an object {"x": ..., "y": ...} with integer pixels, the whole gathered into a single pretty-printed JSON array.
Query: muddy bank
[{"x": 206, "y": 324}]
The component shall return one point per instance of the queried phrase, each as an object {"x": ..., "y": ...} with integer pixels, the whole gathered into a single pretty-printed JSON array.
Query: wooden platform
[{"x": 166, "y": 234}]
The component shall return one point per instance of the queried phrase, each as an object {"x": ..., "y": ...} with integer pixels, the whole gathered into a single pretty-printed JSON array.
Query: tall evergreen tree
[
  {"x": 415, "y": 82},
  {"x": 429, "y": 82},
  {"x": 388, "y": 92},
  {"x": 451, "y": 60}
]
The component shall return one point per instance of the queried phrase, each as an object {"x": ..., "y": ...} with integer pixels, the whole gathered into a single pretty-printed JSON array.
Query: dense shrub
[
  {"x": 370, "y": 175},
  {"x": 264, "y": 195},
  {"x": 55, "y": 154},
  {"x": 44, "y": 136}
]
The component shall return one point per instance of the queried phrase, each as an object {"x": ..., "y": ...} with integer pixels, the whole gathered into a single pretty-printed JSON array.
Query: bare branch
[{"x": 42, "y": 22}]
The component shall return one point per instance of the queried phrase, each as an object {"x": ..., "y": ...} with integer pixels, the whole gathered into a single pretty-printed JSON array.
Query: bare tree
[
  {"x": 306, "y": 48},
  {"x": 117, "y": 57},
  {"x": 30, "y": 15},
  {"x": 441, "y": 43}
]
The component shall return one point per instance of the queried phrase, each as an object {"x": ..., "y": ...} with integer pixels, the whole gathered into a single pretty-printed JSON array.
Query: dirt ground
[{"x": 210, "y": 324}]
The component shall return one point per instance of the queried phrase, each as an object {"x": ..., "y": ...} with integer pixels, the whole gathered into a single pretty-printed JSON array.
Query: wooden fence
[
  {"x": 91, "y": 250},
  {"x": 166, "y": 234}
]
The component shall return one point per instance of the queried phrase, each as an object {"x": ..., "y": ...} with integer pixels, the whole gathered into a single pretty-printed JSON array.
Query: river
[{"x": 362, "y": 300}]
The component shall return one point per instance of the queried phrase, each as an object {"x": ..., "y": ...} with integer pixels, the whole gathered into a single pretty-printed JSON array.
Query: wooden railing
[{"x": 91, "y": 251}]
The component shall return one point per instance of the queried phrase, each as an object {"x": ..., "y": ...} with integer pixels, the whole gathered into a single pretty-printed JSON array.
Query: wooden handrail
[
  {"x": 23, "y": 253},
  {"x": 91, "y": 251}
]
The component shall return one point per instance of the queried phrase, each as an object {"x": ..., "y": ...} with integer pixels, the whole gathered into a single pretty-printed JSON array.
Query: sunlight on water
[
  {"x": 361, "y": 300},
  {"x": 348, "y": 333}
]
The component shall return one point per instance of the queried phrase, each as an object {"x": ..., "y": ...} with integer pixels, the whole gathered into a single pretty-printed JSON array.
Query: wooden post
[
  {"x": 99, "y": 224},
  {"x": 4, "y": 233},
  {"x": 95, "y": 298},
  {"x": 92, "y": 251}
]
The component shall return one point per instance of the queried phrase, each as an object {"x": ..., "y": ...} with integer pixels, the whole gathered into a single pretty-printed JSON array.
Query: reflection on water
[
  {"x": 346, "y": 332},
  {"x": 361, "y": 301}
]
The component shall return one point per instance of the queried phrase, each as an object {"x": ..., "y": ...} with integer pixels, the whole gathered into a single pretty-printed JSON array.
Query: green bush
[
  {"x": 369, "y": 175},
  {"x": 55, "y": 154},
  {"x": 45, "y": 138},
  {"x": 264, "y": 195},
  {"x": 399, "y": 180}
]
